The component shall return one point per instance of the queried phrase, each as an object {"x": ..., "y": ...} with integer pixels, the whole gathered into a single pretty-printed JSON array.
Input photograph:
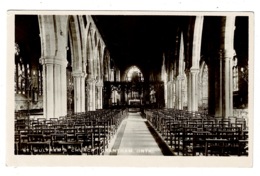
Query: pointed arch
[
  {"x": 203, "y": 86},
  {"x": 75, "y": 44},
  {"x": 90, "y": 84},
  {"x": 106, "y": 65},
  {"x": 131, "y": 72},
  {"x": 46, "y": 23},
  {"x": 99, "y": 59}
]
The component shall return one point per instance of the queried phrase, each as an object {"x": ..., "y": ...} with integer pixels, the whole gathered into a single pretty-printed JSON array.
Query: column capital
[
  {"x": 78, "y": 74},
  {"x": 194, "y": 70},
  {"x": 180, "y": 77},
  {"x": 170, "y": 82},
  {"x": 226, "y": 54},
  {"x": 221, "y": 53},
  {"x": 229, "y": 53},
  {"x": 90, "y": 81},
  {"x": 99, "y": 84},
  {"x": 53, "y": 60},
  {"x": 90, "y": 78}
]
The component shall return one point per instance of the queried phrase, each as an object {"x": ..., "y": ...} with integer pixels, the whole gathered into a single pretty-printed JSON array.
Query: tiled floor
[{"x": 134, "y": 138}]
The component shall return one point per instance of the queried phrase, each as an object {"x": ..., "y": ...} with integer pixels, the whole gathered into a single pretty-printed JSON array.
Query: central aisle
[{"x": 134, "y": 138}]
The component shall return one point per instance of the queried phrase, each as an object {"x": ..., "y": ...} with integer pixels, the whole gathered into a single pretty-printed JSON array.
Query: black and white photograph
[{"x": 95, "y": 85}]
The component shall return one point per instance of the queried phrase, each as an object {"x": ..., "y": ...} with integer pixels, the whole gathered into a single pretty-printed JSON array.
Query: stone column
[
  {"x": 228, "y": 87},
  {"x": 63, "y": 77},
  {"x": 174, "y": 94},
  {"x": 79, "y": 91},
  {"x": 90, "y": 92},
  {"x": 180, "y": 77},
  {"x": 171, "y": 94},
  {"x": 179, "y": 98},
  {"x": 165, "y": 87},
  {"x": 192, "y": 76},
  {"x": 99, "y": 94},
  {"x": 87, "y": 96},
  {"x": 93, "y": 95},
  {"x": 54, "y": 87},
  {"x": 226, "y": 56},
  {"x": 168, "y": 96},
  {"x": 194, "y": 89},
  {"x": 189, "y": 87},
  {"x": 117, "y": 75}
]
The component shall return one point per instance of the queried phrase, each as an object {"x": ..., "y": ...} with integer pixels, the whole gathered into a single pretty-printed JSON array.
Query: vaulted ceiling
[
  {"x": 136, "y": 40},
  {"x": 139, "y": 40}
]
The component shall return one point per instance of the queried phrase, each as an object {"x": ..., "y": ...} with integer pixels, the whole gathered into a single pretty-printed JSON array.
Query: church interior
[{"x": 172, "y": 85}]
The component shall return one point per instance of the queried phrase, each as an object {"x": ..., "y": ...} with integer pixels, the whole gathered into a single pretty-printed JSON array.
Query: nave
[
  {"x": 119, "y": 132},
  {"x": 135, "y": 138}
]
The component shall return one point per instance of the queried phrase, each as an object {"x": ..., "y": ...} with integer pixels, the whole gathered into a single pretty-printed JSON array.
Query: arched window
[
  {"x": 203, "y": 87},
  {"x": 134, "y": 75}
]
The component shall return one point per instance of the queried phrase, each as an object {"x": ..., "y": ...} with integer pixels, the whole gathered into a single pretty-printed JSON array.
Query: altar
[
  {"x": 134, "y": 102},
  {"x": 134, "y": 105}
]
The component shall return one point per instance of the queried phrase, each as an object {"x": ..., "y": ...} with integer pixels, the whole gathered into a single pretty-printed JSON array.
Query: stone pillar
[
  {"x": 180, "y": 77},
  {"x": 79, "y": 91},
  {"x": 165, "y": 87},
  {"x": 173, "y": 94},
  {"x": 179, "y": 98},
  {"x": 99, "y": 95},
  {"x": 90, "y": 92},
  {"x": 189, "y": 87},
  {"x": 228, "y": 87},
  {"x": 168, "y": 96},
  {"x": 228, "y": 56},
  {"x": 87, "y": 96},
  {"x": 225, "y": 108},
  {"x": 192, "y": 76},
  {"x": 54, "y": 87},
  {"x": 94, "y": 95},
  {"x": 117, "y": 75},
  {"x": 221, "y": 88},
  {"x": 194, "y": 89},
  {"x": 63, "y": 86}
]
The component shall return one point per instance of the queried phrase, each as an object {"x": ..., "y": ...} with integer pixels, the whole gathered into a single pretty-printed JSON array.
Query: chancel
[{"x": 172, "y": 85}]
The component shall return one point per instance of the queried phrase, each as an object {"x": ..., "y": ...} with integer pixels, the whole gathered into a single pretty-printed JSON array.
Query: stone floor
[{"x": 134, "y": 138}]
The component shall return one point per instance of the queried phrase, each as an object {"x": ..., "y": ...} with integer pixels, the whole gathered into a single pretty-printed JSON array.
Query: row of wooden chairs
[
  {"x": 195, "y": 133},
  {"x": 82, "y": 133}
]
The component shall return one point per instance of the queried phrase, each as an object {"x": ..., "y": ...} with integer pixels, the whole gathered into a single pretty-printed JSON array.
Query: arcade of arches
[{"x": 68, "y": 64}]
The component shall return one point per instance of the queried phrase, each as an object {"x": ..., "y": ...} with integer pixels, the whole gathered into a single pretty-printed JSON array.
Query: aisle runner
[{"x": 134, "y": 138}]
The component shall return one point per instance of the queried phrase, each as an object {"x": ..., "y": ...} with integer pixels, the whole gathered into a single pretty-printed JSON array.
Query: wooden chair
[
  {"x": 199, "y": 142},
  {"x": 175, "y": 137},
  {"x": 38, "y": 144},
  {"x": 187, "y": 140},
  {"x": 56, "y": 139}
]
